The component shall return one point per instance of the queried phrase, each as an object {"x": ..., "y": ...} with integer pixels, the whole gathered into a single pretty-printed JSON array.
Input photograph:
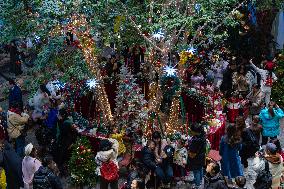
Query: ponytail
[{"x": 271, "y": 111}]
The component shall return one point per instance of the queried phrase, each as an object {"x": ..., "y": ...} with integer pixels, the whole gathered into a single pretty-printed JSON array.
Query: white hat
[{"x": 28, "y": 149}]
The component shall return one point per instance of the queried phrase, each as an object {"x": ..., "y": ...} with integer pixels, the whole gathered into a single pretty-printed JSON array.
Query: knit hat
[
  {"x": 28, "y": 149},
  {"x": 271, "y": 148}
]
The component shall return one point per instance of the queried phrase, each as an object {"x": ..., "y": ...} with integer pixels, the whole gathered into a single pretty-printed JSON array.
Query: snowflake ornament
[
  {"x": 58, "y": 85},
  {"x": 170, "y": 71},
  {"x": 92, "y": 83},
  {"x": 159, "y": 35},
  {"x": 191, "y": 50}
]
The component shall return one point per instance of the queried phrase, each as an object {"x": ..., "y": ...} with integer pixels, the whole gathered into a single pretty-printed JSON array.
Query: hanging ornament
[
  {"x": 191, "y": 50},
  {"x": 197, "y": 8},
  {"x": 92, "y": 83},
  {"x": 170, "y": 71},
  {"x": 159, "y": 35}
]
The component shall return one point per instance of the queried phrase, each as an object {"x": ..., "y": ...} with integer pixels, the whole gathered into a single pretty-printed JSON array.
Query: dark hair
[
  {"x": 216, "y": 167},
  {"x": 156, "y": 135},
  {"x": 44, "y": 89},
  {"x": 256, "y": 86},
  {"x": 105, "y": 145},
  {"x": 277, "y": 144},
  {"x": 231, "y": 135},
  {"x": 198, "y": 128},
  {"x": 47, "y": 160},
  {"x": 140, "y": 183},
  {"x": 240, "y": 181}
]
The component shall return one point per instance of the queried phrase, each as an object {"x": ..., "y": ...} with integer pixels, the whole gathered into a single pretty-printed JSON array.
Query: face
[
  {"x": 209, "y": 168},
  {"x": 134, "y": 184},
  {"x": 157, "y": 140},
  {"x": 152, "y": 146}
]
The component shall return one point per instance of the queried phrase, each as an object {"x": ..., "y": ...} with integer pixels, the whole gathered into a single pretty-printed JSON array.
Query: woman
[
  {"x": 164, "y": 168},
  {"x": 213, "y": 178},
  {"x": 40, "y": 99},
  {"x": 230, "y": 146},
  {"x": 16, "y": 125},
  {"x": 270, "y": 121},
  {"x": 240, "y": 81},
  {"x": 107, "y": 155},
  {"x": 138, "y": 184},
  {"x": 275, "y": 163},
  {"x": 250, "y": 141},
  {"x": 29, "y": 166}
]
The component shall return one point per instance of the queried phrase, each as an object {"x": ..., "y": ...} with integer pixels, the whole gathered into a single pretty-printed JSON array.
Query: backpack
[
  {"x": 264, "y": 178},
  {"x": 41, "y": 181},
  {"x": 109, "y": 171}
]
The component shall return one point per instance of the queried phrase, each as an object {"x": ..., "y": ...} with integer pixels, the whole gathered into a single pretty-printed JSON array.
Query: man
[
  {"x": 15, "y": 95},
  {"x": 255, "y": 98},
  {"x": 45, "y": 176}
]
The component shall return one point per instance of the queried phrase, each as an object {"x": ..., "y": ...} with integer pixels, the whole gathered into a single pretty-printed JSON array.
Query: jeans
[
  {"x": 198, "y": 175},
  {"x": 165, "y": 173},
  {"x": 20, "y": 145}
]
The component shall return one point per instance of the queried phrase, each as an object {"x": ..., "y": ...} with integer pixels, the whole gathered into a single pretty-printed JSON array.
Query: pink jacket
[{"x": 29, "y": 167}]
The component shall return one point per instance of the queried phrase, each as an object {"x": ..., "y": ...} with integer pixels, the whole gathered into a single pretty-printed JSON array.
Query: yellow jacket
[{"x": 121, "y": 146}]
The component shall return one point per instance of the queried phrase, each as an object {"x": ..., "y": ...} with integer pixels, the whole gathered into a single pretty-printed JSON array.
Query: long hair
[{"x": 232, "y": 137}]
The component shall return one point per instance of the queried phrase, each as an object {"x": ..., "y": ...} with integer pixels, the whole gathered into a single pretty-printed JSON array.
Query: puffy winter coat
[
  {"x": 16, "y": 123},
  {"x": 271, "y": 125},
  {"x": 148, "y": 159}
]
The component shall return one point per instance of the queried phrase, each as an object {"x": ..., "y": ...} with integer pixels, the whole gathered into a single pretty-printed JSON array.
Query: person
[
  {"x": 196, "y": 152},
  {"x": 255, "y": 98},
  {"x": 15, "y": 95},
  {"x": 270, "y": 121},
  {"x": 149, "y": 160},
  {"x": 240, "y": 81},
  {"x": 213, "y": 178},
  {"x": 16, "y": 126},
  {"x": 137, "y": 184},
  {"x": 218, "y": 68},
  {"x": 240, "y": 182},
  {"x": 180, "y": 159},
  {"x": 15, "y": 64},
  {"x": 39, "y": 100},
  {"x": 52, "y": 118},
  {"x": 67, "y": 136},
  {"x": 267, "y": 80},
  {"x": 233, "y": 108},
  {"x": 250, "y": 141},
  {"x": 164, "y": 157},
  {"x": 135, "y": 173},
  {"x": 45, "y": 176},
  {"x": 119, "y": 137},
  {"x": 11, "y": 163},
  {"x": 107, "y": 155},
  {"x": 275, "y": 163},
  {"x": 230, "y": 146},
  {"x": 226, "y": 87},
  {"x": 29, "y": 166}
]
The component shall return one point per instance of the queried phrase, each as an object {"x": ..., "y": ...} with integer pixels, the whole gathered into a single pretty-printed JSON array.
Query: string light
[{"x": 173, "y": 123}]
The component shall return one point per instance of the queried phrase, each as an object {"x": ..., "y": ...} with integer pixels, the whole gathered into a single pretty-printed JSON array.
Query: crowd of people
[{"x": 250, "y": 153}]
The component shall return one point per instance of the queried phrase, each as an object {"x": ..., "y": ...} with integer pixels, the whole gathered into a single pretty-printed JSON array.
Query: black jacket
[
  {"x": 216, "y": 182},
  {"x": 197, "y": 145},
  {"x": 250, "y": 143},
  {"x": 12, "y": 164},
  {"x": 54, "y": 180},
  {"x": 132, "y": 176},
  {"x": 148, "y": 159}
]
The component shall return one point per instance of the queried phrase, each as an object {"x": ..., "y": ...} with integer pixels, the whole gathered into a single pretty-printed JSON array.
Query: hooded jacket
[
  {"x": 271, "y": 125},
  {"x": 215, "y": 182},
  {"x": 105, "y": 156}
]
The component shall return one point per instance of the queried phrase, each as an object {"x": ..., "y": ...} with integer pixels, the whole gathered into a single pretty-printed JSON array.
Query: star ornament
[
  {"x": 92, "y": 83},
  {"x": 170, "y": 71},
  {"x": 191, "y": 50},
  {"x": 159, "y": 35}
]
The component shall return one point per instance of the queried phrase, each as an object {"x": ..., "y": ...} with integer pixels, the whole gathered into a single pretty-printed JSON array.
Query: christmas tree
[
  {"x": 278, "y": 87},
  {"x": 82, "y": 164},
  {"x": 131, "y": 110}
]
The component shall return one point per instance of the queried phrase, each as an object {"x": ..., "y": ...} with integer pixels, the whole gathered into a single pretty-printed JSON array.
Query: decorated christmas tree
[
  {"x": 278, "y": 87},
  {"x": 82, "y": 164},
  {"x": 131, "y": 110}
]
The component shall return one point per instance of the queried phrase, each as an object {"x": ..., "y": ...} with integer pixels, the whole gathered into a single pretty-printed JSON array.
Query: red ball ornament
[
  {"x": 81, "y": 148},
  {"x": 126, "y": 81}
]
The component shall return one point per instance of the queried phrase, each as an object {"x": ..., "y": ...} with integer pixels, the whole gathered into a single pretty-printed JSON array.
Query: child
[
  {"x": 138, "y": 184},
  {"x": 119, "y": 137},
  {"x": 180, "y": 159},
  {"x": 233, "y": 108},
  {"x": 136, "y": 172}
]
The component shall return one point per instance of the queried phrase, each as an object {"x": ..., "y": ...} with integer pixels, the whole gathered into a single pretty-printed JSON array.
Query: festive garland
[{"x": 200, "y": 97}]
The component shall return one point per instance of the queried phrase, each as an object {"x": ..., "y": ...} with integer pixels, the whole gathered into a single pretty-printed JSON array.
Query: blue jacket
[
  {"x": 52, "y": 119},
  {"x": 231, "y": 161},
  {"x": 271, "y": 125}
]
